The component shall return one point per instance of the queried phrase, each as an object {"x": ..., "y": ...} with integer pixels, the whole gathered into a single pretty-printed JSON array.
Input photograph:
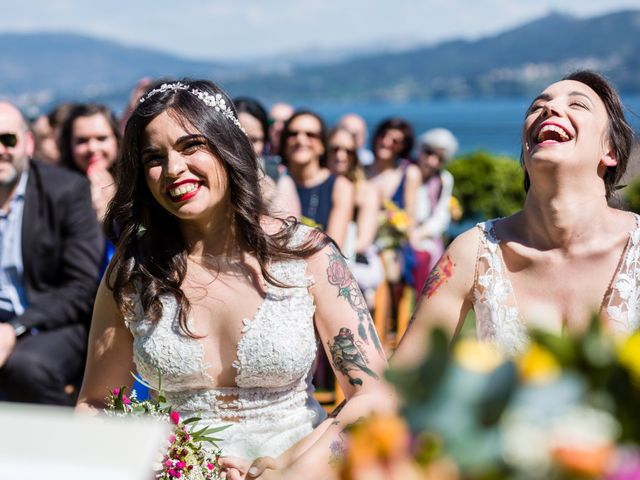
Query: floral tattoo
[
  {"x": 438, "y": 276},
  {"x": 339, "y": 275},
  {"x": 347, "y": 356}
]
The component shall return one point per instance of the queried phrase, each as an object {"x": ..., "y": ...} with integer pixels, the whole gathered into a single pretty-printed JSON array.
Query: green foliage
[
  {"x": 487, "y": 186},
  {"x": 631, "y": 195}
]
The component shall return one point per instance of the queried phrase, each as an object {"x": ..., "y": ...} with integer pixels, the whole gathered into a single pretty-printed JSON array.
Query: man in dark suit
[{"x": 50, "y": 251}]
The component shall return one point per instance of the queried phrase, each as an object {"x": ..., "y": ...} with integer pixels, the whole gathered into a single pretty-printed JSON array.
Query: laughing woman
[
  {"x": 227, "y": 303},
  {"x": 567, "y": 253}
]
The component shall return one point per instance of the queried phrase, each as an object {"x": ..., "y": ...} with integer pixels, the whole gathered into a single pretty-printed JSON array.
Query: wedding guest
[
  {"x": 278, "y": 115},
  {"x": 227, "y": 304},
  {"x": 567, "y": 254},
  {"x": 326, "y": 201},
  {"x": 253, "y": 118},
  {"x": 358, "y": 127},
  {"x": 89, "y": 143},
  {"x": 359, "y": 248},
  {"x": 435, "y": 148},
  {"x": 51, "y": 250}
]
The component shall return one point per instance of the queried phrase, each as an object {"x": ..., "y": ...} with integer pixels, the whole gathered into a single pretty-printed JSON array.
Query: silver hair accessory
[{"x": 216, "y": 101}]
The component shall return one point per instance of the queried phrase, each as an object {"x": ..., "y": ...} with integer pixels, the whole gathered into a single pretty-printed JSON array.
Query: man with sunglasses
[{"x": 50, "y": 252}]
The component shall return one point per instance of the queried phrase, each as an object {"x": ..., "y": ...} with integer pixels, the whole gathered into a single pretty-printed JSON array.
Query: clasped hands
[{"x": 263, "y": 468}]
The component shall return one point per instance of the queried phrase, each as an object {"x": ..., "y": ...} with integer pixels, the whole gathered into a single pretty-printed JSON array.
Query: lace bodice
[
  {"x": 271, "y": 405},
  {"x": 495, "y": 306}
]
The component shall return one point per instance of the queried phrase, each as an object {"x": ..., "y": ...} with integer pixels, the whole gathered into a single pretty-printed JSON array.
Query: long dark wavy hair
[{"x": 151, "y": 253}]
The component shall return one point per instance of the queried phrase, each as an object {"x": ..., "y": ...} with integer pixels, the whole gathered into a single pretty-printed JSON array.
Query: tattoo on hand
[
  {"x": 339, "y": 275},
  {"x": 438, "y": 276},
  {"x": 348, "y": 357}
]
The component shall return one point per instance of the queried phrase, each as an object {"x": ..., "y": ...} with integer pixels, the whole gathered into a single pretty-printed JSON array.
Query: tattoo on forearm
[
  {"x": 339, "y": 275},
  {"x": 347, "y": 356},
  {"x": 438, "y": 276},
  {"x": 337, "y": 450}
]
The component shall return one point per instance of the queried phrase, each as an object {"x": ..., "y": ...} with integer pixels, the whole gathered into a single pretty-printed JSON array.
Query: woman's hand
[{"x": 241, "y": 469}]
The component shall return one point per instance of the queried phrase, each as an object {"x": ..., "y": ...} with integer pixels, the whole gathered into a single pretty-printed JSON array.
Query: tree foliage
[{"x": 487, "y": 185}]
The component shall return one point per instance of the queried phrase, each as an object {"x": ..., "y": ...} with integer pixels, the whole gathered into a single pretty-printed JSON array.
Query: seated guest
[{"x": 50, "y": 253}]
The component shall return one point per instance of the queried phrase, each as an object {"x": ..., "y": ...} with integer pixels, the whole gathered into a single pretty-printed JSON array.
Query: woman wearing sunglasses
[
  {"x": 326, "y": 200},
  {"x": 359, "y": 249}
]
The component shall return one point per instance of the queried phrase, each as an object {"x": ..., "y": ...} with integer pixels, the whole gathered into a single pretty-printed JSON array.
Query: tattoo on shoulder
[
  {"x": 339, "y": 275},
  {"x": 348, "y": 356},
  {"x": 442, "y": 272}
]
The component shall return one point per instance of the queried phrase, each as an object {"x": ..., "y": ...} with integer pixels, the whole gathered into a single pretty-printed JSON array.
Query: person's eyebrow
[{"x": 581, "y": 94}]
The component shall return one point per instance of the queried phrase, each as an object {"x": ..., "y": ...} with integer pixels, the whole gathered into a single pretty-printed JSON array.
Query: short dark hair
[
  {"x": 254, "y": 108},
  {"x": 75, "y": 112},
  {"x": 620, "y": 133},
  {"x": 395, "y": 123},
  {"x": 284, "y": 136}
]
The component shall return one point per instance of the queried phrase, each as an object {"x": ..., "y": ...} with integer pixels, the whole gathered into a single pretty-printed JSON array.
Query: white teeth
[
  {"x": 182, "y": 189},
  {"x": 552, "y": 128}
]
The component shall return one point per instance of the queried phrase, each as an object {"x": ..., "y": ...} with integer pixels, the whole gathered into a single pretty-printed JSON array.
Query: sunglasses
[
  {"x": 348, "y": 151},
  {"x": 295, "y": 133},
  {"x": 431, "y": 151},
  {"x": 9, "y": 140}
]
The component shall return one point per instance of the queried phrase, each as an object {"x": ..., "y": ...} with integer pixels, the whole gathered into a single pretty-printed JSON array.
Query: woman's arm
[
  {"x": 445, "y": 299},
  {"x": 438, "y": 222},
  {"x": 342, "y": 199},
  {"x": 348, "y": 335},
  {"x": 412, "y": 183},
  {"x": 369, "y": 204},
  {"x": 110, "y": 356}
]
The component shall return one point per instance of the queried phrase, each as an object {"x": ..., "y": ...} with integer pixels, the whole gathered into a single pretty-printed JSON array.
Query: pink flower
[
  {"x": 172, "y": 438},
  {"x": 126, "y": 400},
  {"x": 175, "y": 417},
  {"x": 210, "y": 466},
  {"x": 187, "y": 437},
  {"x": 168, "y": 463},
  {"x": 116, "y": 391},
  {"x": 181, "y": 465}
]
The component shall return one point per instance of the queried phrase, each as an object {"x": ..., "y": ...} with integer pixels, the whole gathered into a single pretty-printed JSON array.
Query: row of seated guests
[
  {"x": 53, "y": 250},
  {"x": 47, "y": 287}
]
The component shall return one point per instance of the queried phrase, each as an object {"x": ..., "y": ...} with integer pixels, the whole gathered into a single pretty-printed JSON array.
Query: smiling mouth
[
  {"x": 183, "y": 191},
  {"x": 552, "y": 133}
]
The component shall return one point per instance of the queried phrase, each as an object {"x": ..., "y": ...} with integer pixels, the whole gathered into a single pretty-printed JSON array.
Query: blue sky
[{"x": 242, "y": 29}]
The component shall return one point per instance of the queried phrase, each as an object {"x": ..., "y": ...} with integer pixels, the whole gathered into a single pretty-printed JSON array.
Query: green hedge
[
  {"x": 631, "y": 195},
  {"x": 487, "y": 185}
]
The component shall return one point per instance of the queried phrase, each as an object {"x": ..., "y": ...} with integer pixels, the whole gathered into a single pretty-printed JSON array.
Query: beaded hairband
[{"x": 216, "y": 101}]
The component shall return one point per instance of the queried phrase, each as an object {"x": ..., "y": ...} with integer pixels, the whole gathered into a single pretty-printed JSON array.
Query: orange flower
[
  {"x": 592, "y": 461},
  {"x": 377, "y": 446}
]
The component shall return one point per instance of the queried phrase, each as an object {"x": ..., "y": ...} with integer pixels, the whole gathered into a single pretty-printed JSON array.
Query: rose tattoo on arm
[{"x": 339, "y": 275}]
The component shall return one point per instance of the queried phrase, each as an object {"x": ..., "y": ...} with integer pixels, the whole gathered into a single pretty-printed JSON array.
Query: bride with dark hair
[{"x": 225, "y": 301}]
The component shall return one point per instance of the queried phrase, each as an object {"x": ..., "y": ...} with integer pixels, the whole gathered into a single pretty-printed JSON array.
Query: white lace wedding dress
[
  {"x": 272, "y": 406},
  {"x": 495, "y": 306}
]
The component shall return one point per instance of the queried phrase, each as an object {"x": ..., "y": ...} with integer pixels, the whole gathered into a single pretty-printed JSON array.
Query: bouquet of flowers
[
  {"x": 186, "y": 457},
  {"x": 394, "y": 224},
  {"x": 566, "y": 408}
]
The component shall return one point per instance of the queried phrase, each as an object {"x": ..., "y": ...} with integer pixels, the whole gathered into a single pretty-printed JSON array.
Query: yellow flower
[
  {"x": 400, "y": 220},
  {"x": 476, "y": 356},
  {"x": 629, "y": 355},
  {"x": 455, "y": 209},
  {"x": 538, "y": 365}
]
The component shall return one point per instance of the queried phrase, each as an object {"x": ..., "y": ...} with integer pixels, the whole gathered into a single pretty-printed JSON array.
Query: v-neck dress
[
  {"x": 497, "y": 317},
  {"x": 271, "y": 406}
]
